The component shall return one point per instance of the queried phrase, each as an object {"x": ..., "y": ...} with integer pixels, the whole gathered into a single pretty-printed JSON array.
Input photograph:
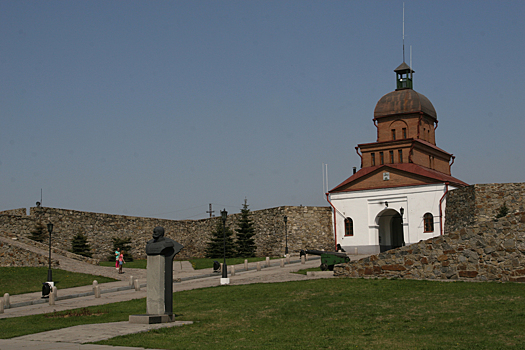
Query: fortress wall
[{"x": 308, "y": 227}]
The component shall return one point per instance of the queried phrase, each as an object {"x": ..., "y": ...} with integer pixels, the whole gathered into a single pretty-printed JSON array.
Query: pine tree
[
  {"x": 215, "y": 248},
  {"x": 38, "y": 234},
  {"x": 80, "y": 246},
  {"x": 125, "y": 247},
  {"x": 245, "y": 242}
]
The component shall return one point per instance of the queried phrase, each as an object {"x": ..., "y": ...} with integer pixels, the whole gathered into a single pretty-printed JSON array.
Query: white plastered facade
[{"x": 372, "y": 210}]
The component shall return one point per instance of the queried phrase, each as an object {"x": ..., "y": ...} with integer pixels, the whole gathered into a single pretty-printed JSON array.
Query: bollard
[
  {"x": 246, "y": 264},
  {"x": 282, "y": 262},
  {"x": 221, "y": 267},
  {"x": 96, "y": 290},
  {"x": 287, "y": 258},
  {"x": 1, "y": 306},
  {"x": 131, "y": 281},
  {"x": 95, "y": 284},
  {"x": 7, "y": 302},
  {"x": 306, "y": 257},
  {"x": 267, "y": 261},
  {"x": 258, "y": 266},
  {"x": 232, "y": 270},
  {"x": 136, "y": 285},
  {"x": 55, "y": 292},
  {"x": 51, "y": 298},
  {"x": 303, "y": 259}
]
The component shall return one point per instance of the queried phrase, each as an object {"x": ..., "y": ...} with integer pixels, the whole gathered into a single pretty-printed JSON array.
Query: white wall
[{"x": 365, "y": 209}]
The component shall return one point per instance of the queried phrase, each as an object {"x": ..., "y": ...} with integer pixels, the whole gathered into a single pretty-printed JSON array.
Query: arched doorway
[{"x": 390, "y": 230}]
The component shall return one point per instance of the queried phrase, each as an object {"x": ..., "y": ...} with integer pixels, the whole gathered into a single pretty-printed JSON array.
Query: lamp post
[
  {"x": 224, "y": 215},
  {"x": 286, "y": 235},
  {"x": 49, "y": 273}
]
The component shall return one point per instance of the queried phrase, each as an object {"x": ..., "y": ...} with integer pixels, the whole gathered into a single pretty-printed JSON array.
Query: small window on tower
[
  {"x": 400, "y": 156},
  {"x": 381, "y": 158},
  {"x": 404, "y": 133},
  {"x": 373, "y": 159},
  {"x": 428, "y": 221},
  {"x": 393, "y": 134},
  {"x": 391, "y": 157}
]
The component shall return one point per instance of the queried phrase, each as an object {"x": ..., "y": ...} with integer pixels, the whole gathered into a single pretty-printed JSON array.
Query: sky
[{"x": 159, "y": 108}]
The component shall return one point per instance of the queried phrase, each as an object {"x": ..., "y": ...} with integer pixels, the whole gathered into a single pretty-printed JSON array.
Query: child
[{"x": 120, "y": 262}]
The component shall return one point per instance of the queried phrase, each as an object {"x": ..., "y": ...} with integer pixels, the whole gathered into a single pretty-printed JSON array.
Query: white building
[{"x": 398, "y": 196}]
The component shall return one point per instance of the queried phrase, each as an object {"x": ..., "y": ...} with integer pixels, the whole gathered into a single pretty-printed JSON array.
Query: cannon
[{"x": 328, "y": 259}]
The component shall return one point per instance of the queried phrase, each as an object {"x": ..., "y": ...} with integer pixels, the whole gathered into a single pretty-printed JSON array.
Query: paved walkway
[{"x": 75, "y": 337}]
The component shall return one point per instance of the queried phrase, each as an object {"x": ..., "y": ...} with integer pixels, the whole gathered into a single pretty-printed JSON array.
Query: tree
[
  {"x": 215, "y": 247},
  {"x": 124, "y": 245},
  {"x": 80, "y": 246},
  {"x": 245, "y": 242},
  {"x": 38, "y": 233}
]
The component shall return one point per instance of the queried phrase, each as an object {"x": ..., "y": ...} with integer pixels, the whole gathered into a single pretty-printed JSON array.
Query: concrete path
[{"x": 75, "y": 337}]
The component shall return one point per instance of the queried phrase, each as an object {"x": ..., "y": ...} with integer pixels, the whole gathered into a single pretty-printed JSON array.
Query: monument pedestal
[{"x": 157, "y": 294}]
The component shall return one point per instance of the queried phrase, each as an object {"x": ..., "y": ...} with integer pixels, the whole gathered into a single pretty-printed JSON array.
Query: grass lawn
[
  {"x": 19, "y": 280},
  {"x": 135, "y": 264},
  {"x": 323, "y": 314},
  {"x": 197, "y": 263}
]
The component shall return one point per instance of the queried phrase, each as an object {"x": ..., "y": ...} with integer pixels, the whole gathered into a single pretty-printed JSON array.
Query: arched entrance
[{"x": 390, "y": 230}]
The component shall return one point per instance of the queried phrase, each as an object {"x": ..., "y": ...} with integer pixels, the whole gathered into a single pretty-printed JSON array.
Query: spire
[{"x": 404, "y": 76}]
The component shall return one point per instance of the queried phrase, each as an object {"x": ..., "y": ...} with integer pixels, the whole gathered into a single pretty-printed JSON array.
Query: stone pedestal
[{"x": 156, "y": 298}]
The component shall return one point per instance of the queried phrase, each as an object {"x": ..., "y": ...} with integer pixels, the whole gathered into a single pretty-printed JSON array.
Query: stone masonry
[
  {"x": 476, "y": 246},
  {"x": 308, "y": 228}
]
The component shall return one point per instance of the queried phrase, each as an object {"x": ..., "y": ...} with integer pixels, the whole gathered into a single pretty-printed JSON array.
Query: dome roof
[{"x": 404, "y": 101}]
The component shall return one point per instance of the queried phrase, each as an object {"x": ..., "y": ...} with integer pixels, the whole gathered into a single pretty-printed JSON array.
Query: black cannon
[{"x": 328, "y": 259}]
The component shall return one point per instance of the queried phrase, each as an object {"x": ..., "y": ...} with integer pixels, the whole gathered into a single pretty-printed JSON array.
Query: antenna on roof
[
  {"x": 410, "y": 58},
  {"x": 403, "y": 32}
]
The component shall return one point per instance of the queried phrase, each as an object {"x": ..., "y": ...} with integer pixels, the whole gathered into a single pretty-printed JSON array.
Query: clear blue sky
[{"x": 157, "y": 108}]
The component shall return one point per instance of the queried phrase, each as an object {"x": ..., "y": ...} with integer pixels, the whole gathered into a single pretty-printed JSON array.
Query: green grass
[
  {"x": 197, "y": 263},
  {"x": 135, "y": 264},
  {"x": 20, "y": 280},
  {"x": 304, "y": 271},
  {"x": 205, "y": 263},
  {"x": 323, "y": 314}
]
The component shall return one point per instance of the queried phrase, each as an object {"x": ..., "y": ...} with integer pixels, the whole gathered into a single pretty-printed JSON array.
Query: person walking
[
  {"x": 120, "y": 262},
  {"x": 117, "y": 255}
]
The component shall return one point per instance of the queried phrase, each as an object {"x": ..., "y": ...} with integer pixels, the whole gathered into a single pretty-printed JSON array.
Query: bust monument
[{"x": 160, "y": 251}]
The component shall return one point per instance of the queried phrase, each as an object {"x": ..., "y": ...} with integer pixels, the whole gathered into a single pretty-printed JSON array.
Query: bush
[
  {"x": 124, "y": 244},
  {"x": 80, "y": 246}
]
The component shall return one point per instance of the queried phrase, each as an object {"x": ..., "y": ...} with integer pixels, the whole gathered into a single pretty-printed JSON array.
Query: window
[
  {"x": 404, "y": 133},
  {"x": 400, "y": 155},
  {"x": 391, "y": 157},
  {"x": 381, "y": 158},
  {"x": 393, "y": 134},
  {"x": 428, "y": 222},
  {"x": 373, "y": 159},
  {"x": 349, "y": 227}
]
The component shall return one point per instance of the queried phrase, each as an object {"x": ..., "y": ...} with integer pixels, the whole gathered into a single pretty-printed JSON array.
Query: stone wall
[
  {"x": 488, "y": 251},
  {"x": 307, "y": 228},
  {"x": 478, "y": 203},
  {"x": 11, "y": 254}
]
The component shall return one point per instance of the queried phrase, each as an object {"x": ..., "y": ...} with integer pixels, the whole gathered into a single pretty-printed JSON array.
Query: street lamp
[
  {"x": 224, "y": 215},
  {"x": 49, "y": 273},
  {"x": 286, "y": 235}
]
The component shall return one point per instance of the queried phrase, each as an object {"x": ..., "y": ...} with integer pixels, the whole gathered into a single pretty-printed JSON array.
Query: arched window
[
  {"x": 428, "y": 221},
  {"x": 349, "y": 227}
]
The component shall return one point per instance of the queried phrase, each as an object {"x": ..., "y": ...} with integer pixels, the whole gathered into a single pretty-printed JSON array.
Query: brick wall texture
[
  {"x": 307, "y": 228},
  {"x": 476, "y": 245}
]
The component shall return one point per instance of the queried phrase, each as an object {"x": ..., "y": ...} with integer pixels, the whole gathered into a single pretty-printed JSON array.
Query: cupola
[{"x": 404, "y": 76}]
